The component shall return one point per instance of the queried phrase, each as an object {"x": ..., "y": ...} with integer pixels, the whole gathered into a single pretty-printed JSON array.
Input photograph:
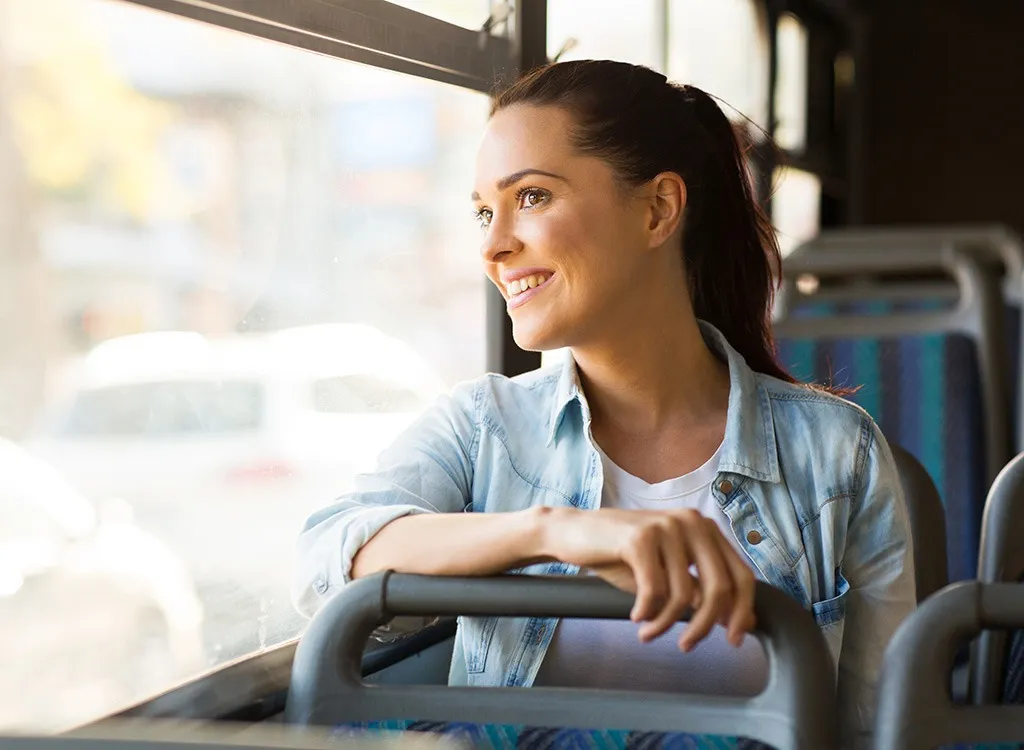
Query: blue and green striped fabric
[
  {"x": 925, "y": 393},
  {"x": 521, "y": 737}
]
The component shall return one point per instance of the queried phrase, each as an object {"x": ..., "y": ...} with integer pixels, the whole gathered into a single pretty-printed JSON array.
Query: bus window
[
  {"x": 796, "y": 207},
  {"x": 229, "y": 276},
  {"x": 721, "y": 46},
  {"x": 471, "y": 14},
  {"x": 791, "y": 87},
  {"x": 599, "y": 29}
]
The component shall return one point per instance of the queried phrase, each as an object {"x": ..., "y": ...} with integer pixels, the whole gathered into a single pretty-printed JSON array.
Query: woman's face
[{"x": 562, "y": 240}]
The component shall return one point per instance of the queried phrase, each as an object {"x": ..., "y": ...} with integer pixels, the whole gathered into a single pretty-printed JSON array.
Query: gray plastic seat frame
[
  {"x": 986, "y": 242},
  {"x": 927, "y": 523},
  {"x": 977, "y": 314},
  {"x": 1000, "y": 560},
  {"x": 797, "y": 709},
  {"x": 915, "y": 709}
]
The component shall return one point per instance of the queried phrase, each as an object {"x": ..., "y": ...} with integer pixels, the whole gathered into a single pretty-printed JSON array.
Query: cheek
[{"x": 570, "y": 241}]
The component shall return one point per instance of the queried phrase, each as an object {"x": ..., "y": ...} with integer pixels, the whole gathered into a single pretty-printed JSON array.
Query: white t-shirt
[{"x": 607, "y": 654}]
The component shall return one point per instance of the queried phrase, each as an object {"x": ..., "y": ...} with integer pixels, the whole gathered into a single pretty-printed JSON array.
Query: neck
[{"x": 653, "y": 376}]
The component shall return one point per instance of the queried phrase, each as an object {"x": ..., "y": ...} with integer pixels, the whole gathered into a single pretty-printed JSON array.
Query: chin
[{"x": 536, "y": 338}]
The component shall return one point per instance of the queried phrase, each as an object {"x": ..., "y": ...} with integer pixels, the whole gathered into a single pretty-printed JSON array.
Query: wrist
[{"x": 546, "y": 532}]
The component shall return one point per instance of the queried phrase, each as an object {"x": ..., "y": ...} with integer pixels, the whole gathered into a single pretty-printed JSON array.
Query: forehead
[{"x": 523, "y": 137}]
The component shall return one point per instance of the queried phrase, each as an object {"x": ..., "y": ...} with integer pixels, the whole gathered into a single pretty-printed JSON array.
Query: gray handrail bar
[
  {"x": 915, "y": 708},
  {"x": 797, "y": 709},
  {"x": 1000, "y": 560},
  {"x": 978, "y": 313}
]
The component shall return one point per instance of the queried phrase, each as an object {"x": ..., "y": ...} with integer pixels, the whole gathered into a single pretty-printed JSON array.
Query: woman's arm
[
  {"x": 879, "y": 565},
  {"x": 427, "y": 470},
  {"x": 408, "y": 516},
  {"x": 647, "y": 553}
]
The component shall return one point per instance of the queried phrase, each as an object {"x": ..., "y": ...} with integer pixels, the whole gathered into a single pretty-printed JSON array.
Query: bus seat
[
  {"x": 998, "y": 676},
  {"x": 796, "y": 710},
  {"x": 927, "y": 523},
  {"x": 995, "y": 245},
  {"x": 933, "y": 378},
  {"x": 915, "y": 709}
]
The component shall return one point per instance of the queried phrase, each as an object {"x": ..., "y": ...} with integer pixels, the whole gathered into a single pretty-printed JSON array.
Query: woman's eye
[
  {"x": 532, "y": 197},
  {"x": 483, "y": 217}
]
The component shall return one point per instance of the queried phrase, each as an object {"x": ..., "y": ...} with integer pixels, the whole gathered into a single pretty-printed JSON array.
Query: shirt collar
[{"x": 749, "y": 448}]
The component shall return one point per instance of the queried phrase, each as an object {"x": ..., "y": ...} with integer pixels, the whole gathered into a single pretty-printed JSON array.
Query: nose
[{"x": 500, "y": 242}]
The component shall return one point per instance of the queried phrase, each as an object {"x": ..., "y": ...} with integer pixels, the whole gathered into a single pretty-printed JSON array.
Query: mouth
[{"x": 521, "y": 291}]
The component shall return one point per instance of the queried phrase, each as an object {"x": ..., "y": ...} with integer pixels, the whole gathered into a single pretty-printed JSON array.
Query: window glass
[
  {"x": 167, "y": 408},
  {"x": 471, "y": 14},
  {"x": 205, "y": 240},
  {"x": 796, "y": 207},
  {"x": 721, "y": 46},
  {"x": 791, "y": 87},
  {"x": 364, "y": 394},
  {"x": 604, "y": 30}
]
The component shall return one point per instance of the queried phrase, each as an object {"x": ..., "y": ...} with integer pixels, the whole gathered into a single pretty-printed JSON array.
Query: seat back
[
  {"x": 995, "y": 675},
  {"x": 915, "y": 709},
  {"x": 996, "y": 246},
  {"x": 796, "y": 710},
  {"x": 935, "y": 380},
  {"x": 927, "y": 523}
]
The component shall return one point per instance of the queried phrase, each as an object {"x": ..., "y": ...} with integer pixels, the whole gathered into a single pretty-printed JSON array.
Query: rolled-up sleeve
[
  {"x": 879, "y": 566},
  {"x": 428, "y": 469}
]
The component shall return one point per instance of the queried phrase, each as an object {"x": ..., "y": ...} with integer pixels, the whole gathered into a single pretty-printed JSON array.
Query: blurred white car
[
  {"x": 224, "y": 446},
  {"x": 95, "y": 614}
]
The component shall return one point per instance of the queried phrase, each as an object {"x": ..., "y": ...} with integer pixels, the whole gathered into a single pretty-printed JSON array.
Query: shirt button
[
  {"x": 754, "y": 537},
  {"x": 725, "y": 487}
]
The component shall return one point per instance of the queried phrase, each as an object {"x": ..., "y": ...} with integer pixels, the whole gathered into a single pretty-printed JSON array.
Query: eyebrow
[{"x": 506, "y": 182}]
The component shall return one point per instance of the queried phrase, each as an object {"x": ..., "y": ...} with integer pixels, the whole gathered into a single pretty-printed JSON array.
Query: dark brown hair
[{"x": 642, "y": 125}]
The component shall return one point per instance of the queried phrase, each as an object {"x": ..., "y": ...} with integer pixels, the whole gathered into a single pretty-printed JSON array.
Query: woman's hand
[{"x": 650, "y": 553}]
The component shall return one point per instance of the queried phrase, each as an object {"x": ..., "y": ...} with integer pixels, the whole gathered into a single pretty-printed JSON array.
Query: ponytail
[
  {"x": 642, "y": 125},
  {"x": 729, "y": 247}
]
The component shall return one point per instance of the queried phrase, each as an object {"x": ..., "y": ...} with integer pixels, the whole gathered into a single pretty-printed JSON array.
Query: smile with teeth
[{"x": 517, "y": 287}]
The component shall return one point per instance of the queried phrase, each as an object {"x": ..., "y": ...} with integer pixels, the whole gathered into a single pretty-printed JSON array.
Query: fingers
[
  {"x": 660, "y": 552},
  {"x": 681, "y": 587},
  {"x": 740, "y": 620},
  {"x": 716, "y": 584},
  {"x": 643, "y": 556}
]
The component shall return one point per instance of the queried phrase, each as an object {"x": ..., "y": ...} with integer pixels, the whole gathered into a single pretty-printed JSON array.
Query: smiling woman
[{"x": 670, "y": 454}]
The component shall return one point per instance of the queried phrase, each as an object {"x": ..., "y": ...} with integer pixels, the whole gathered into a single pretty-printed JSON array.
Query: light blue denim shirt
[{"x": 806, "y": 479}]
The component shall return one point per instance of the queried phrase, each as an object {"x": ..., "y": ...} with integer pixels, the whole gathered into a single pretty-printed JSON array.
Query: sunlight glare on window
[
  {"x": 600, "y": 30},
  {"x": 791, "y": 87},
  {"x": 721, "y": 46},
  {"x": 796, "y": 207}
]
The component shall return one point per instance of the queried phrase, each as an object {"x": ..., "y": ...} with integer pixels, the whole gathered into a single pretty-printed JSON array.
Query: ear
[{"x": 667, "y": 196}]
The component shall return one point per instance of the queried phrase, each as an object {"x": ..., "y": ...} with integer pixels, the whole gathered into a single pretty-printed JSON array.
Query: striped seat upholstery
[
  {"x": 517, "y": 737},
  {"x": 925, "y": 393}
]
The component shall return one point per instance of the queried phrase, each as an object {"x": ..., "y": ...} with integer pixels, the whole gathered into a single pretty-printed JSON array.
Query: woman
[{"x": 670, "y": 455}]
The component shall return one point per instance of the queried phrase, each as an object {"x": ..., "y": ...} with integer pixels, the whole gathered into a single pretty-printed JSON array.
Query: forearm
[{"x": 458, "y": 544}]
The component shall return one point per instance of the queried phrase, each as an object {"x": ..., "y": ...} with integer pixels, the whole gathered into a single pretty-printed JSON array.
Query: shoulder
[
  {"x": 830, "y": 412},
  {"x": 836, "y": 433}
]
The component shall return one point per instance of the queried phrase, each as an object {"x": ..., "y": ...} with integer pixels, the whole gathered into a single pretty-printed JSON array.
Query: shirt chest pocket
[{"x": 830, "y": 614}]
